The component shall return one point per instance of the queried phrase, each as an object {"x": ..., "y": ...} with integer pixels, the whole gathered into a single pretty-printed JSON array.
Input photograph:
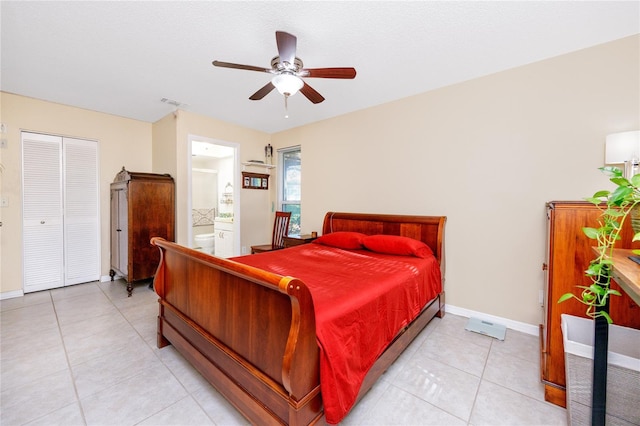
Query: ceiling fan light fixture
[{"x": 287, "y": 84}]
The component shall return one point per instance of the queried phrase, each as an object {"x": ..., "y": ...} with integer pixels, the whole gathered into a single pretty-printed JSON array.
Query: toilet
[{"x": 206, "y": 242}]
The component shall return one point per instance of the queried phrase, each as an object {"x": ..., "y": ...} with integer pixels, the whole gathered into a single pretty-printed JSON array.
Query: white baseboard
[
  {"x": 514, "y": 325},
  {"x": 11, "y": 294}
]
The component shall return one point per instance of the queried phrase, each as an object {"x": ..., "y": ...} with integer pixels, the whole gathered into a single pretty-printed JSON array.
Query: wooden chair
[{"x": 280, "y": 230}]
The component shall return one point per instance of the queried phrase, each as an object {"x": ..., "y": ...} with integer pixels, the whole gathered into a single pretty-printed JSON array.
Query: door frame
[{"x": 236, "y": 187}]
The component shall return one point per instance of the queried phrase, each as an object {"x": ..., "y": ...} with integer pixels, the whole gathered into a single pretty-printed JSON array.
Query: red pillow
[
  {"x": 343, "y": 240},
  {"x": 395, "y": 244}
]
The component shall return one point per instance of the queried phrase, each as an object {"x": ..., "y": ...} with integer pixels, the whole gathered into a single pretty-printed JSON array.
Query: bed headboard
[{"x": 429, "y": 229}]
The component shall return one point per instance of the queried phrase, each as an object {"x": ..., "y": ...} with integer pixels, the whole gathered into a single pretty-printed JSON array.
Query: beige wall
[
  {"x": 143, "y": 147},
  {"x": 255, "y": 205},
  {"x": 122, "y": 142},
  {"x": 488, "y": 154},
  {"x": 163, "y": 139}
]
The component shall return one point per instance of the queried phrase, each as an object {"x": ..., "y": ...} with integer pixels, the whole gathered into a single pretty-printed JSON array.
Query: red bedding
[{"x": 362, "y": 300}]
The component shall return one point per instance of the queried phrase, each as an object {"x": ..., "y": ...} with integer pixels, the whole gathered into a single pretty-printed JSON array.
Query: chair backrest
[{"x": 280, "y": 229}]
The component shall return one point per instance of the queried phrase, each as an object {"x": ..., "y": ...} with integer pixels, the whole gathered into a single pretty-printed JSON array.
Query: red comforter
[{"x": 362, "y": 300}]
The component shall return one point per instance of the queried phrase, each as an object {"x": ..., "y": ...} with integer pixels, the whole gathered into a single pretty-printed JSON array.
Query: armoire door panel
[{"x": 123, "y": 232}]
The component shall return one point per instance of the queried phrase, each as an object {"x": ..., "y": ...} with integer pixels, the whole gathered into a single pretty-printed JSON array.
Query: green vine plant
[{"x": 616, "y": 207}]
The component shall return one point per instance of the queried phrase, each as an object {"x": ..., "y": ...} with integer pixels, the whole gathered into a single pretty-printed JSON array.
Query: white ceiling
[{"x": 123, "y": 57}]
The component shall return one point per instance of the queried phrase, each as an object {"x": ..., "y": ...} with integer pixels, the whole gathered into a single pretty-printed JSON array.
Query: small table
[
  {"x": 296, "y": 240},
  {"x": 626, "y": 272}
]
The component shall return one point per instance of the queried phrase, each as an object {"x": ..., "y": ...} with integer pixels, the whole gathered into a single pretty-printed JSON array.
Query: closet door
[
  {"x": 81, "y": 224},
  {"x": 61, "y": 240},
  {"x": 42, "y": 212}
]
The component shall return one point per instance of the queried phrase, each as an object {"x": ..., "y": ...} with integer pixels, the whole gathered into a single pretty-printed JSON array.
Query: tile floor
[{"x": 86, "y": 355}]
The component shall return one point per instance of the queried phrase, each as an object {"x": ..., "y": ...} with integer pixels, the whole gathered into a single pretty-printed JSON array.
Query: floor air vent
[{"x": 497, "y": 331}]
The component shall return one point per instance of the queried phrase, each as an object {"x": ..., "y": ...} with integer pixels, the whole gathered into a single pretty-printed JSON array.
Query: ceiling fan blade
[
  {"x": 240, "y": 66},
  {"x": 311, "y": 94},
  {"x": 329, "y": 72},
  {"x": 262, "y": 92},
  {"x": 286, "y": 46}
]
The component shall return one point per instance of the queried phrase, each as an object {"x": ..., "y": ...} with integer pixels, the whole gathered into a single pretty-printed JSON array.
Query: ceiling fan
[{"x": 288, "y": 71}]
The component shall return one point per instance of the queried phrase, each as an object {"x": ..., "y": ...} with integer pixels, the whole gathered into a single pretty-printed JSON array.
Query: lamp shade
[
  {"x": 621, "y": 147},
  {"x": 287, "y": 84}
]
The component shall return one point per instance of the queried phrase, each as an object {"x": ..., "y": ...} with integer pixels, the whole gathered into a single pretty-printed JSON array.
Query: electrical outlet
[
  {"x": 4, "y": 201},
  {"x": 3, "y": 128},
  {"x": 244, "y": 250}
]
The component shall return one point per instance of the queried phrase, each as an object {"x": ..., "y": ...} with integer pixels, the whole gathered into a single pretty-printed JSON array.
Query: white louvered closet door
[
  {"x": 42, "y": 212},
  {"x": 60, "y": 210},
  {"x": 81, "y": 224}
]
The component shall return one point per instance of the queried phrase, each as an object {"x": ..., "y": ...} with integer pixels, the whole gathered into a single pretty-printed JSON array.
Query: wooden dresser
[
  {"x": 569, "y": 252},
  {"x": 142, "y": 207}
]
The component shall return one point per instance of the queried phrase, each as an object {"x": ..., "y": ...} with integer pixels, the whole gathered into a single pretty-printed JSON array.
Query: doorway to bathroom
[{"x": 213, "y": 196}]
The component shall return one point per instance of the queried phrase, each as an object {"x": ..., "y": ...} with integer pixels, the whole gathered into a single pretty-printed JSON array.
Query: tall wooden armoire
[
  {"x": 569, "y": 253},
  {"x": 142, "y": 207}
]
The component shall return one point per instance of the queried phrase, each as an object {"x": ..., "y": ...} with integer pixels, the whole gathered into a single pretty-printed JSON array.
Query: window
[{"x": 289, "y": 185}]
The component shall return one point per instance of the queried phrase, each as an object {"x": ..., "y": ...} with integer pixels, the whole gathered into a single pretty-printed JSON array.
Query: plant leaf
[
  {"x": 607, "y": 317},
  {"x": 611, "y": 171},
  {"x": 620, "y": 181},
  {"x": 591, "y": 233},
  {"x": 564, "y": 297},
  {"x": 620, "y": 194}
]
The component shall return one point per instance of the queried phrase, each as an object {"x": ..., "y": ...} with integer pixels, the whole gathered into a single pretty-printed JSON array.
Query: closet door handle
[{"x": 42, "y": 222}]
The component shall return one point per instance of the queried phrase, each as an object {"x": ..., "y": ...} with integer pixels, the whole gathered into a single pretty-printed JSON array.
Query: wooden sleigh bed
[{"x": 252, "y": 333}]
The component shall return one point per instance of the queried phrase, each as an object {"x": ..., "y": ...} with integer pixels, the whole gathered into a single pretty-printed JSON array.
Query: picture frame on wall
[{"x": 255, "y": 180}]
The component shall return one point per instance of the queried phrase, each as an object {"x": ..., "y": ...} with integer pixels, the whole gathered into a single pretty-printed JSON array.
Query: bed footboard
[{"x": 249, "y": 332}]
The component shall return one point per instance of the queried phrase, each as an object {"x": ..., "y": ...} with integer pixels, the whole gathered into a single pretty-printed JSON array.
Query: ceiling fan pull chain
[{"x": 286, "y": 106}]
